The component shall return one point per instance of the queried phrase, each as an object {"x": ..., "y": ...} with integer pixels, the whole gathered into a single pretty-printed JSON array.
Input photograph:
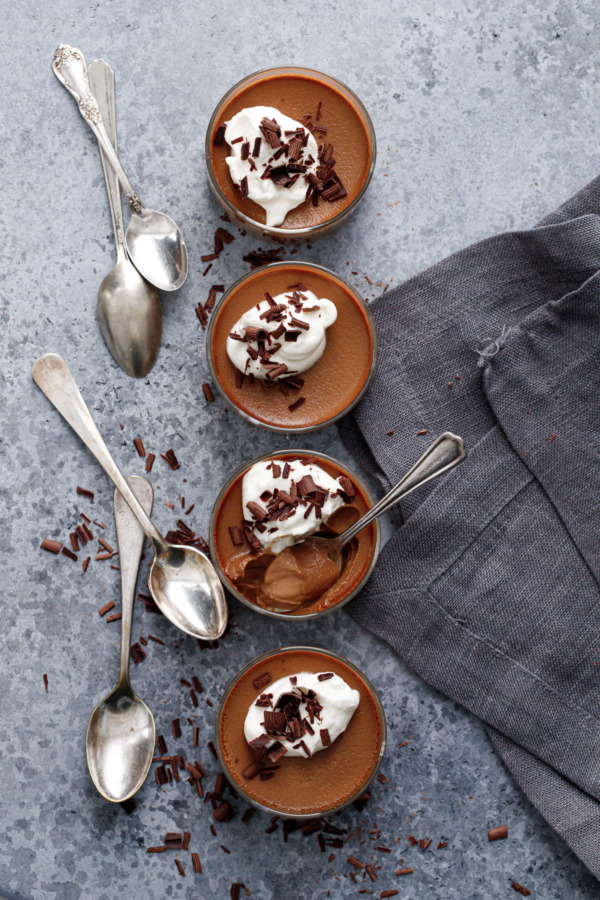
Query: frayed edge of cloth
[{"x": 492, "y": 347}]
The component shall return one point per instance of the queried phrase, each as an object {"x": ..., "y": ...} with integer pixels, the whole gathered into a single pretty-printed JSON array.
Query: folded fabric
[{"x": 490, "y": 589}]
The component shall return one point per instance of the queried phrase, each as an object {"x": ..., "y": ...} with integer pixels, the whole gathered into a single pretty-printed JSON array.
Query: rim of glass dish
[
  {"x": 286, "y": 429},
  {"x": 378, "y": 704},
  {"x": 310, "y": 230},
  {"x": 267, "y": 612}
]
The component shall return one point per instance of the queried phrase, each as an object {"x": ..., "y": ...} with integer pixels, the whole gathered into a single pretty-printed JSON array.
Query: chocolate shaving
[
  {"x": 219, "y": 136},
  {"x": 85, "y": 493},
  {"x": 256, "y": 510},
  {"x": 170, "y": 458},
  {"x": 136, "y": 651},
  {"x": 208, "y": 394},
  {"x": 497, "y": 834},
  {"x": 196, "y": 864},
  {"x": 150, "y": 462},
  {"x": 324, "y": 676},
  {"x": 325, "y": 738},
  {"x": 139, "y": 446},
  {"x": 256, "y": 147},
  {"x": 262, "y": 680},
  {"x": 244, "y": 187},
  {"x": 525, "y": 892},
  {"x": 52, "y": 546},
  {"x": 176, "y": 726}
]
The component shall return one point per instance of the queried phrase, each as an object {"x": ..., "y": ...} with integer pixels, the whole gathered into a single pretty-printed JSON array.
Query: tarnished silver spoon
[
  {"x": 129, "y": 308},
  {"x": 295, "y": 563},
  {"x": 182, "y": 580},
  {"x": 120, "y": 737},
  {"x": 154, "y": 242}
]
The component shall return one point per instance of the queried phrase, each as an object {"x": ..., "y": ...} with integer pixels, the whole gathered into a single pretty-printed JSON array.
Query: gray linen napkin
[{"x": 489, "y": 588}]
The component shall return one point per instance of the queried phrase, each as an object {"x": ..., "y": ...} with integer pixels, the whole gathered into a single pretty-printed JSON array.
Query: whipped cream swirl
[
  {"x": 310, "y": 495},
  {"x": 272, "y": 162},
  {"x": 299, "y": 715},
  {"x": 282, "y": 336}
]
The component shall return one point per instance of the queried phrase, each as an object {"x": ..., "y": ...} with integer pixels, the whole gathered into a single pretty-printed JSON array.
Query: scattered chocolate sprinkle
[
  {"x": 325, "y": 738},
  {"x": 422, "y": 431},
  {"x": 173, "y": 840},
  {"x": 161, "y": 776},
  {"x": 193, "y": 697},
  {"x": 156, "y": 849},
  {"x": 208, "y": 392},
  {"x": 45, "y": 677},
  {"x": 83, "y": 492},
  {"x": 74, "y": 541},
  {"x": 262, "y": 681},
  {"x": 51, "y": 546},
  {"x": 324, "y": 676},
  {"x": 106, "y": 608},
  {"x": 520, "y": 889},
  {"x": 260, "y": 257},
  {"x": 176, "y": 726},
  {"x": 170, "y": 458},
  {"x": 150, "y": 462},
  {"x": 390, "y": 893},
  {"x": 179, "y": 866},
  {"x": 224, "y": 849},
  {"x": 219, "y": 136},
  {"x": 441, "y": 845},
  {"x": 162, "y": 744},
  {"x": 196, "y": 864},
  {"x": 139, "y": 446},
  {"x": 211, "y": 747},
  {"x": 156, "y": 640},
  {"x": 252, "y": 769},
  {"x": 137, "y": 652},
  {"x": 114, "y": 618},
  {"x": 497, "y": 834},
  {"x": 186, "y": 840},
  {"x": 69, "y": 553},
  {"x": 247, "y": 815},
  {"x": 196, "y": 735},
  {"x": 207, "y": 269}
]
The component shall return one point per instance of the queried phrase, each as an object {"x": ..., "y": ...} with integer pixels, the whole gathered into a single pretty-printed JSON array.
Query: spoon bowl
[
  {"x": 130, "y": 318},
  {"x": 157, "y": 249},
  {"x": 120, "y": 744},
  {"x": 185, "y": 586}
]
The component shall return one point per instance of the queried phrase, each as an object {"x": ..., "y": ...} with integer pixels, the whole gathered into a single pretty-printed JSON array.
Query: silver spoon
[
  {"x": 154, "y": 242},
  {"x": 443, "y": 454},
  {"x": 129, "y": 309},
  {"x": 182, "y": 580},
  {"x": 120, "y": 737}
]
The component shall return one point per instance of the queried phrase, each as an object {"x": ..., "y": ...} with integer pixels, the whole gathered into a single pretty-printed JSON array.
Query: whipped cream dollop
[
  {"x": 300, "y": 714},
  {"x": 281, "y": 336},
  {"x": 288, "y": 501},
  {"x": 272, "y": 157}
]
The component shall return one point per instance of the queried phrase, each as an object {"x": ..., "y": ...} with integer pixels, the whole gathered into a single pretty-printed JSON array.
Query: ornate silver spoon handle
[
  {"x": 443, "y": 454},
  {"x": 101, "y": 79},
  {"x": 69, "y": 67}
]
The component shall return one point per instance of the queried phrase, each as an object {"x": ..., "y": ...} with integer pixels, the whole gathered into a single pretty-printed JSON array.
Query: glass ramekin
[
  {"x": 240, "y": 789},
  {"x": 279, "y": 233},
  {"x": 301, "y": 617},
  {"x": 286, "y": 429}
]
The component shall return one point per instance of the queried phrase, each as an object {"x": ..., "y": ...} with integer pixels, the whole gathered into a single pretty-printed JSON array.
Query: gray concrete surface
[{"x": 487, "y": 117}]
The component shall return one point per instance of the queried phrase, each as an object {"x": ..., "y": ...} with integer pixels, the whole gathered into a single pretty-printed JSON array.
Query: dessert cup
[
  {"x": 340, "y": 119},
  {"x": 302, "y": 788},
  {"x": 230, "y": 560},
  {"x": 331, "y": 387}
]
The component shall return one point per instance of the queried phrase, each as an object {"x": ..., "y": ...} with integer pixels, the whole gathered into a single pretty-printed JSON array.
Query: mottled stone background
[{"x": 486, "y": 116}]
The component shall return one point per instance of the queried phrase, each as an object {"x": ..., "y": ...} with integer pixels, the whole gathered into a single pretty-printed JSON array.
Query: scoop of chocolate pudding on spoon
[{"x": 303, "y": 571}]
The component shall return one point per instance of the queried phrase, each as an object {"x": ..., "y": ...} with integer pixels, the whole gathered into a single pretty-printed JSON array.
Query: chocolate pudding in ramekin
[
  {"x": 264, "y": 512},
  {"x": 290, "y": 152},
  {"x": 300, "y": 732},
  {"x": 291, "y": 347}
]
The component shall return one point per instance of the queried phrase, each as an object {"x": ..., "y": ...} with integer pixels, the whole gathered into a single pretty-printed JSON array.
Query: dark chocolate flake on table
[
  {"x": 150, "y": 462},
  {"x": 52, "y": 546},
  {"x": 68, "y": 553},
  {"x": 170, "y": 458},
  {"x": 83, "y": 492},
  {"x": 139, "y": 446},
  {"x": 137, "y": 652},
  {"x": 176, "y": 726},
  {"x": 196, "y": 864},
  {"x": 208, "y": 394}
]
